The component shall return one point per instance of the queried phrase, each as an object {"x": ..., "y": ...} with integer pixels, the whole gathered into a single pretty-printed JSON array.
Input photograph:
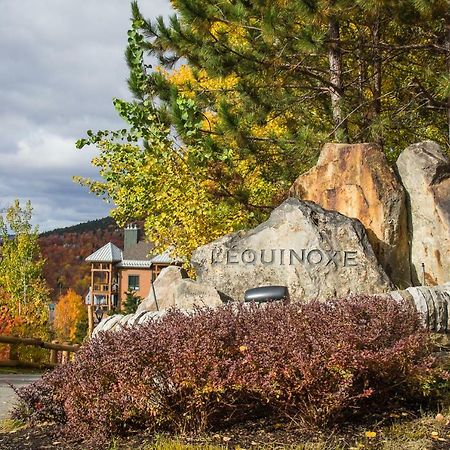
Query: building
[{"x": 116, "y": 272}]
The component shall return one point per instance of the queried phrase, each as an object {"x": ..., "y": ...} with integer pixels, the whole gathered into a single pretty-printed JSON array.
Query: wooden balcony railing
[{"x": 101, "y": 288}]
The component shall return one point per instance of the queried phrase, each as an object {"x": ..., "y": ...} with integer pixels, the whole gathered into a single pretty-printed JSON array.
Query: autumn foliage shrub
[{"x": 316, "y": 362}]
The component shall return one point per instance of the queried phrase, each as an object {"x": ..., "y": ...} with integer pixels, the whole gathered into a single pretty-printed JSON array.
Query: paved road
[{"x": 7, "y": 395}]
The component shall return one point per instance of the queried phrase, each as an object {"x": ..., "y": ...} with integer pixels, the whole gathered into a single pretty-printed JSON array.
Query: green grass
[
  {"x": 11, "y": 425},
  {"x": 177, "y": 445}
]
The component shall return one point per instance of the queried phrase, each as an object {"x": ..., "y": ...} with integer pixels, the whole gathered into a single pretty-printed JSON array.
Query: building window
[{"x": 133, "y": 282}]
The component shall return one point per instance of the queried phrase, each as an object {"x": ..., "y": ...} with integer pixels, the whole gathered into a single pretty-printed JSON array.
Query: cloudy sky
[{"x": 61, "y": 64}]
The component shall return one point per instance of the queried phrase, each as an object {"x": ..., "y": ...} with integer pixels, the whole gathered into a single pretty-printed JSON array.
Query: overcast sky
[{"x": 62, "y": 62}]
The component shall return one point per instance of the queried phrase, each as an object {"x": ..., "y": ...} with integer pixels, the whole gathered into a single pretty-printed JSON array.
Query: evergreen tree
[
  {"x": 131, "y": 302},
  {"x": 81, "y": 331},
  {"x": 363, "y": 68},
  {"x": 262, "y": 86}
]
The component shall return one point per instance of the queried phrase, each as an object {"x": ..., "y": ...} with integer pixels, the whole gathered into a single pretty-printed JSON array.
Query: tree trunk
[
  {"x": 91, "y": 317},
  {"x": 447, "y": 48},
  {"x": 377, "y": 75},
  {"x": 337, "y": 91}
]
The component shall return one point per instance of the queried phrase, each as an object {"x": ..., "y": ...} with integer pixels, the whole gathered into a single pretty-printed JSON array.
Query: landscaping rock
[
  {"x": 123, "y": 322},
  {"x": 150, "y": 315},
  {"x": 174, "y": 289},
  {"x": 432, "y": 303},
  {"x": 118, "y": 322},
  {"x": 357, "y": 181},
  {"x": 108, "y": 323},
  {"x": 316, "y": 253},
  {"x": 425, "y": 174}
]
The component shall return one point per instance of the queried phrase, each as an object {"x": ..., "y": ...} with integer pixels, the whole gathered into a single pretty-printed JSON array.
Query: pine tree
[
  {"x": 131, "y": 302},
  {"x": 262, "y": 86}
]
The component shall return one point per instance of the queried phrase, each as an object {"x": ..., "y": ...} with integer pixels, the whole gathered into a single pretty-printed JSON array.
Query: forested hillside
[{"x": 65, "y": 250}]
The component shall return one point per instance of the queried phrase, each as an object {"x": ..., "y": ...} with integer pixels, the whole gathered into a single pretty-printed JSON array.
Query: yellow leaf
[{"x": 371, "y": 434}]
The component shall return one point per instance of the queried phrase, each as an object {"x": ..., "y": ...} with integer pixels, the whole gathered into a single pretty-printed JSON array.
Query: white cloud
[{"x": 45, "y": 151}]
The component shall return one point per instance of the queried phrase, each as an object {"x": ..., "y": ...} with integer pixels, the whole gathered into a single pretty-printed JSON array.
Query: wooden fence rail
[{"x": 54, "y": 348}]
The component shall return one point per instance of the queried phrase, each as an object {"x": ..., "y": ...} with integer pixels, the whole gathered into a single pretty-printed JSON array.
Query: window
[{"x": 133, "y": 282}]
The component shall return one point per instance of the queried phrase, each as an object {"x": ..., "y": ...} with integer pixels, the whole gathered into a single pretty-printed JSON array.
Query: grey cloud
[{"x": 62, "y": 63}]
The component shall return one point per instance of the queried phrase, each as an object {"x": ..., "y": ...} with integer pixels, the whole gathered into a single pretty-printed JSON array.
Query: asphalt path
[{"x": 7, "y": 395}]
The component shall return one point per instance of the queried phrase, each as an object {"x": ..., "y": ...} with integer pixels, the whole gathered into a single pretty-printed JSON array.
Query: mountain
[
  {"x": 65, "y": 251},
  {"x": 92, "y": 225}
]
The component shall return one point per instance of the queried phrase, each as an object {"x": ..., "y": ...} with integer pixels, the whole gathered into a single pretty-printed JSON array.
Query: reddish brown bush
[{"x": 316, "y": 361}]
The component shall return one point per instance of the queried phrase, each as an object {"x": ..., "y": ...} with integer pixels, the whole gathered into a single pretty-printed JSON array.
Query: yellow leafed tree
[{"x": 69, "y": 312}]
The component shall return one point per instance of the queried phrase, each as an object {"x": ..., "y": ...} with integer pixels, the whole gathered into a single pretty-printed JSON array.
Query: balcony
[{"x": 101, "y": 288}]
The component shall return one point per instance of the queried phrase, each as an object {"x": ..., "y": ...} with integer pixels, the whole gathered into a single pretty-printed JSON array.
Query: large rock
[
  {"x": 433, "y": 303},
  {"x": 174, "y": 289},
  {"x": 315, "y": 253},
  {"x": 119, "y": 322},
  {"x": 357, "y": 181},
  {"x": 425, "y": 174}
]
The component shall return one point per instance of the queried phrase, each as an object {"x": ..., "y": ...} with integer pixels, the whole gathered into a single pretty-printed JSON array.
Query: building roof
[
  {"x": 135, "y": 263},
  {"x": 108, "y": 253},
  {"x": 137, "y": 256},
  {"x": 164, "y": 258},
  {"x": 139, "y": 252}
]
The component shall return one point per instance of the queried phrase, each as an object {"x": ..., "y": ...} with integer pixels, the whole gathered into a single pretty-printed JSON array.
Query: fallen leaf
[{"x": 371, "y": 434}]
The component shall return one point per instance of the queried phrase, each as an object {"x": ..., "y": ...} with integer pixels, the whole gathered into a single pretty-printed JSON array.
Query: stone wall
[{"x": 433, "y": 303}]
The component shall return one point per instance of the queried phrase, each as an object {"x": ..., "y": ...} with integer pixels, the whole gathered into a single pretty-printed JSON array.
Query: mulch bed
[
  {"x": 251, "y": 435},
  {"x": 260, "y": 434}
]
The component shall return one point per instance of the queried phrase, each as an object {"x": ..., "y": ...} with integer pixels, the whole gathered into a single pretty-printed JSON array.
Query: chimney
[{"x": 130, "y": 237}]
